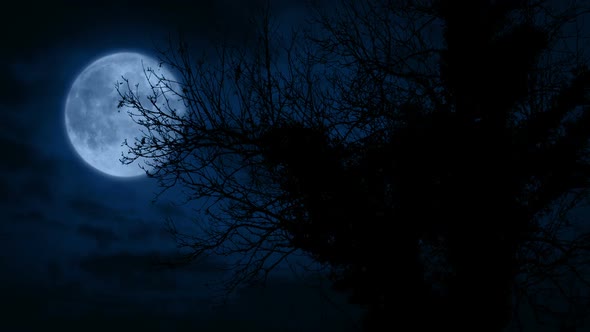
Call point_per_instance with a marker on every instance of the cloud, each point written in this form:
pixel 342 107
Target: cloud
pixel 35 219
pixel 104 237
pixel 25 173
pixel 204 19
pixel 76 305
pixel 128 272
pixel 96 208
pixel 148 231
pixel 143 271
pixel 170 210
pixel 18 154
pixel 123 225
pixel 78 302
pixel 92 209
pixel 12 90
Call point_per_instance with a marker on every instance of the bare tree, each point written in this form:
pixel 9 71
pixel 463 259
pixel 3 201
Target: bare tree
pixel 443 140
pixel 215 146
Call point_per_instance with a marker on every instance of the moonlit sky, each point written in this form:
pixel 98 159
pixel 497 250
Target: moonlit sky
pixel 77 246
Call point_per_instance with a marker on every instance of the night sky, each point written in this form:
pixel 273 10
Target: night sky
pixel 79 247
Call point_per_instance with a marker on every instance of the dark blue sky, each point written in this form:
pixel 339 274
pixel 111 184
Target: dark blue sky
pixel 78 246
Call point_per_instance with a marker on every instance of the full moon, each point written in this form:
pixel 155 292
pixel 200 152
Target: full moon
pixel 95 126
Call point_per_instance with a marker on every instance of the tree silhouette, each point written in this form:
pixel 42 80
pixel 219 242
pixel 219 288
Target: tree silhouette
pixel 428 152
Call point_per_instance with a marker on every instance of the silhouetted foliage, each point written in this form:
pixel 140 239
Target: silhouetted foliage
pixel 428 152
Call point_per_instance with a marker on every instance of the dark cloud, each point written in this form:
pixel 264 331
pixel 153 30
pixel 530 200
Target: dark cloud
pixel 25 173
pixel 92 28
pixel 143 271
pixel 92 209
pixel 12 90
pixel 126 291
pixel 144 232
pixel 74 305
pixel 36 218
pixel 104 237
pixel 19 155
pixel 169 209
pixel 96 208
pixel 55 271
pixel 118 223
pixel 129 271
pixel 50 22
pixel 109 264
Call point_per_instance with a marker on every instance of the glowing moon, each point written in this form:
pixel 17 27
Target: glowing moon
pixel 94 125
